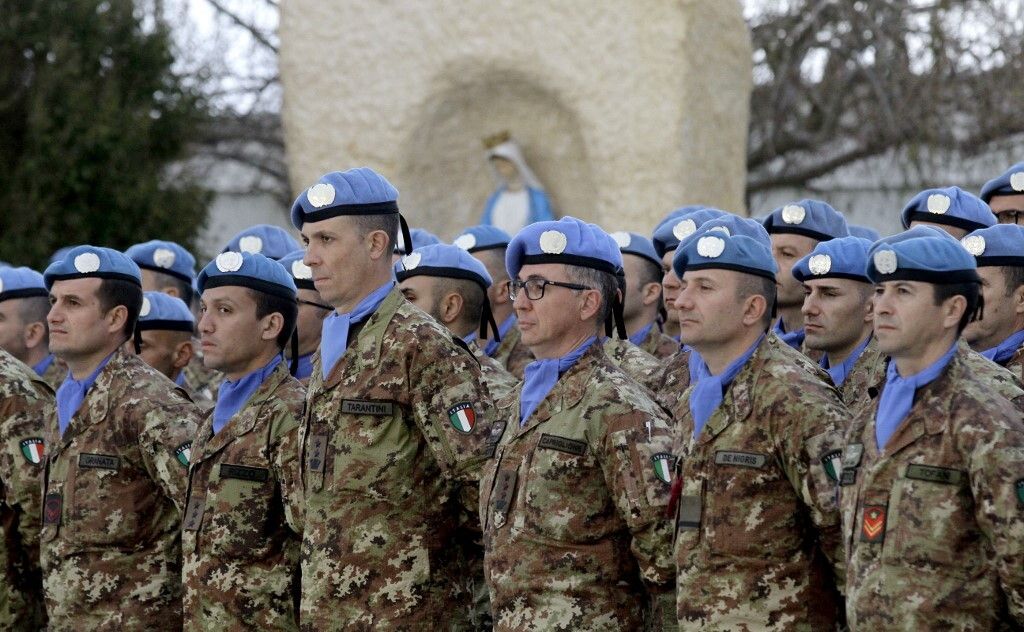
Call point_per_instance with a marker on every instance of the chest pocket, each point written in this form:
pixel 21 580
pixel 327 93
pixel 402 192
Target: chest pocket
pixel 376 452
pixel 112 501
pixel 933 526
pixel 565 497
pixel 751 507
pixel 243 507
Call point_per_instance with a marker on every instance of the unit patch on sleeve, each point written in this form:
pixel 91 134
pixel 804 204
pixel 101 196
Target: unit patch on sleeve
pixel 33 449
pixel 663 466
pixel 184 453
pixel 463 417
pixel 873 528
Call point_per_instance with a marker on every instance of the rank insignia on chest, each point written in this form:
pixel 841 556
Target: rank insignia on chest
pixel 184 453
pixel 33 449
pixel 833 463
pixel 873 528
pixel 463 417
pixel 663 465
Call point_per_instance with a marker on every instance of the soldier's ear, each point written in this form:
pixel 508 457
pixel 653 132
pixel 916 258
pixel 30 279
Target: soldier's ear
pixel 379 245
pixel 651 293
pixel 754 308
pixel 271 326
pixel 1018 300
pixel 451 307
pixel 34 334
pixel 116 319
pixel 182 354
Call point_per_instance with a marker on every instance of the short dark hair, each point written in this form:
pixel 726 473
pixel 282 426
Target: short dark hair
pixel 650 272
pixel 969 290
pixel 34 309
pixel 755 285
pixel 388 223
pixel 494 260
pixel 1014 276
pixel 605 283
pixel 114 292
pixel 184 287
pixel 267 304
pixel 473 297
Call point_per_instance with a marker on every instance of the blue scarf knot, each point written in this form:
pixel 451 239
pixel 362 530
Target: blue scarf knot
pixel 540 376
pixel 72 392
pixel 1001 353
pixel 708 389
pixel 233 394
pixel 840 372
pixel 898 396
pixel 334 339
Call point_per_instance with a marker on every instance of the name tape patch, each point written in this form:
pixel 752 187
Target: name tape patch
pixel 743 459
pixel 367 407
pixel 554 442
pixel 99 461
pixel 934 474
pixel 244 472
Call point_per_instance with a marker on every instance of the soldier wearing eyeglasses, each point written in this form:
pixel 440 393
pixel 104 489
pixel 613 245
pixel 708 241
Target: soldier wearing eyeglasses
pixel 1005 195
pixel 573 501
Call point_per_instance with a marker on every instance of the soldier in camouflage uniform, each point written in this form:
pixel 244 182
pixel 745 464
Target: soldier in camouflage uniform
pixel 165 329
pixel 931 486
pixel 639 365
pixel 24 303
pixel 757 543
pixel 115 472
pixel 310 321
pixel 26 402
pixel 999 336
pixel 487 244
pixel 393 430
pixel 837 310
pixel 240 540
pixel 573 501
pixel 641 270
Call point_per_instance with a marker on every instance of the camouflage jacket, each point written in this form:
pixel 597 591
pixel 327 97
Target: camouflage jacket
pixel 659 345
pixel 757 521
pixel 391 447
pixel 1015 364
pixel 867 372
pixel 675 380
pixel 513 354
pixel 112 502
pixel 202 383
pixel 26 402
pixel 55 374
pixel 642 367
pixel 934 526
pixel 498 380
pixel 240 556
pixel 573 505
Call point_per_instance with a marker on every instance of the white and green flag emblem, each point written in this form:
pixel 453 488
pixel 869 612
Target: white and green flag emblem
pixel 663 465
pixel 33 449
pixel 833 464
pixel 184 453
pixel 463 417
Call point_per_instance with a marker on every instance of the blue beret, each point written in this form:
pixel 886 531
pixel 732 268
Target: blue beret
pixel 1010 183
pixel 442 260
pixel 636 244
pixel 951 206
pixel 302 275
pixel 921 254
pixel 271 241
pixel 165 313
pixel 569 241
pixel 810 218
pixel 420 237
pixel 679 224
pixel 713 249
pixel 482 237
pixel 21 283
pixel 247 269
pixel 999 245
pixel 164 256
pixel 359 191
pixel 735 225
pixel 59 254
pixel 870 234
pixel 93 261
pixel 842 258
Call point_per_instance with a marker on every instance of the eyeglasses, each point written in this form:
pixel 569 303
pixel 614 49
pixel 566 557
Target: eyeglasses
pixel 1009 217
pixel 535 288
pixel 315 304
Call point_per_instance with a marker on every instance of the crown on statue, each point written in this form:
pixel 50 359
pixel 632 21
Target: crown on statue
pixel 492 141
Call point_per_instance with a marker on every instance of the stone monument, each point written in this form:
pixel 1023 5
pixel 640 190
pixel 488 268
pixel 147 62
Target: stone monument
pixel 624 110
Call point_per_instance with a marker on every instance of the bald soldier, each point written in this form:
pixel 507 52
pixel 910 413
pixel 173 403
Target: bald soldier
pixel 488 244
pixel 1005 195
pixel 26 403
pixel 931 487
pixel 24 303
pixel 757 542
pixel 837 315
pixel 395 423
pixel 795 230
pixel 116 455
pixel 240 535
pixel 573 502
pixel 451 285
pixel 999 334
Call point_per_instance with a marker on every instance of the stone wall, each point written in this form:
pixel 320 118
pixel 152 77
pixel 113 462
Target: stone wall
pixel 624 110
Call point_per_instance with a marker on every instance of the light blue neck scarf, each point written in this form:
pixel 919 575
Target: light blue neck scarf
pixel 641 335
pixel 898 396
pixel 540 376
pixel 44 364
pixel 334 340
pixel 842 371
pixel 794 339
pixel 72 392
pixel 1002 352
pixel 233 394
pixel 709 390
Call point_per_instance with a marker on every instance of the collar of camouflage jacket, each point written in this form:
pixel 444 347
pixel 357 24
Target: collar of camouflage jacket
pixel 208 444
pixel 567 392
pixel 366 343
pixel 738 402
pixel 96 405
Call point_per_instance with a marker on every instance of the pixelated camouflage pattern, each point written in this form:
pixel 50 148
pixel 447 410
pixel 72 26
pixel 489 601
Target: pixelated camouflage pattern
pixel 867 372
pixel 240 565
pixel 55 374
pixel 757 543
pixel 675 380
pixel 1015 364
pixel 951 552
pixel 386 474
pixel 26 402
pixel 644 368
pixel 512 353
pixel 580 536
pixel 202 383
pixel 659 344
pixel 498 380
pixel 113 561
